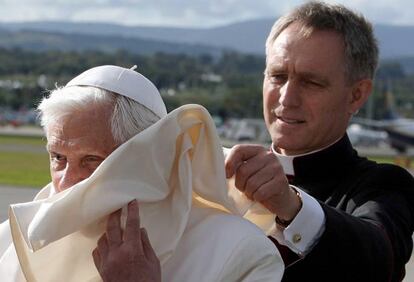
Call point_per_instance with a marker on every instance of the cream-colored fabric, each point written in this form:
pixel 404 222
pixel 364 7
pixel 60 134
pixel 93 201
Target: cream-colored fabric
pixel 175 169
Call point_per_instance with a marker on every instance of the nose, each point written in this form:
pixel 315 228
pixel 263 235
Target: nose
pixel 72 175
pixel 289 94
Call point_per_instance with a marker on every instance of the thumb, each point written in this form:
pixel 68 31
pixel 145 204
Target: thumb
pixel 238 154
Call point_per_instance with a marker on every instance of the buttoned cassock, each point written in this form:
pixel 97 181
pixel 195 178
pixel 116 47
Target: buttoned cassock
pixel 369 217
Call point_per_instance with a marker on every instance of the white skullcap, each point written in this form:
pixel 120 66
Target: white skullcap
pixel 126 82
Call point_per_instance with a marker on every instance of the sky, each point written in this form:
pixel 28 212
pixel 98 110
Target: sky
pixel 186 13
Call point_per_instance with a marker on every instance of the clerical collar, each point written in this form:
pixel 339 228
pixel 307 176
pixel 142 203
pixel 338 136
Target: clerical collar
pixel 287 161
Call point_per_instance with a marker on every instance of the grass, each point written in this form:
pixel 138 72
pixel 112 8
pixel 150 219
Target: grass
pixel 24 169
pixel 388 160
pixel 407 163
pixel 22 140
pixel 30 169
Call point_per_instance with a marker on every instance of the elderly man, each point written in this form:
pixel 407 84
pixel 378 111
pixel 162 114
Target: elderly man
pixel 110 142
pixel 340 217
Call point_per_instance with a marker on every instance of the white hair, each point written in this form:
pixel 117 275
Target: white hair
pixel 128 117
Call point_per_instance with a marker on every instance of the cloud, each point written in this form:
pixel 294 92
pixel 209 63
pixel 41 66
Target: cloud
pixel 400 12
pixel 193 13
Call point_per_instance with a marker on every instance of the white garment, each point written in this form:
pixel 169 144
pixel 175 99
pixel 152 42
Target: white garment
pixel 175 169
pixel 309 223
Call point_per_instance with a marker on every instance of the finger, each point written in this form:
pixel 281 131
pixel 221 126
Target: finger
pixel 270 197
pixel 113 228
pixel 266 192
pixel 255 181
pixel 238 154
pixel 96 258
pixel 146 245
pixel 262 161
pixel 103 247
pixel 132 233
pixel 245 171
pixel 263 167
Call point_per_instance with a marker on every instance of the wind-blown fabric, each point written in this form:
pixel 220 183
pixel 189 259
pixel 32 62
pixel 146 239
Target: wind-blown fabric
pixel 175 169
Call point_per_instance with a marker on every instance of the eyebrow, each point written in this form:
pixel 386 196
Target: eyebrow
pixel 52 146
pixel 310 75
pixel 49 147
pixel 274 67
pixel 100 154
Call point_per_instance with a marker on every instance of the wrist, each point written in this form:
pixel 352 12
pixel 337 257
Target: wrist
pixel 296 204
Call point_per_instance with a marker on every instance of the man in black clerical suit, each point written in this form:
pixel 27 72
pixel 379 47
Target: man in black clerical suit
pixel 339 217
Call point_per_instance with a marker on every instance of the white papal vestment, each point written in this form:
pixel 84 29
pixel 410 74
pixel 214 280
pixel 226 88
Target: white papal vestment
pixel 175 169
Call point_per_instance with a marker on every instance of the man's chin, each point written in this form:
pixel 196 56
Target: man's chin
pixel 287 145
pixel 283 137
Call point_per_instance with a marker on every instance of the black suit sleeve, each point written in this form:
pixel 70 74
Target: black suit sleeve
pixel 367 235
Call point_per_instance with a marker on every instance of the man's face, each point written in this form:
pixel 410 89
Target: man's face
pixel 77 144
pixel 307 103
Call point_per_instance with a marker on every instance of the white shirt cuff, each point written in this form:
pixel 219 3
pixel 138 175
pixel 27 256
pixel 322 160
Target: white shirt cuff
pixel 305 229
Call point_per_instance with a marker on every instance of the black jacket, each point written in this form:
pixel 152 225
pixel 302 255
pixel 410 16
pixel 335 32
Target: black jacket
pixel 369 211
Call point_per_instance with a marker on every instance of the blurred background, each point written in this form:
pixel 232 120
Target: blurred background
pixel 205 52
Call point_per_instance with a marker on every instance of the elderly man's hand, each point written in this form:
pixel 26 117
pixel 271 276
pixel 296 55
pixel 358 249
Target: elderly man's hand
pixel 260 176
pixel 126 256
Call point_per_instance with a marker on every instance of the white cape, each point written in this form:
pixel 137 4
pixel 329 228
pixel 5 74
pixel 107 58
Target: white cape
pixel 175 169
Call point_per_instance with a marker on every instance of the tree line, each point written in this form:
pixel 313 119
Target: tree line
pixel 228 86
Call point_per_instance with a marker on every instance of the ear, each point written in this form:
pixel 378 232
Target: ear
pixel 360 93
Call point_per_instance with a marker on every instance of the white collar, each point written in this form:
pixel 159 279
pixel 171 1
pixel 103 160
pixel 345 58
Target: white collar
pixel 287 160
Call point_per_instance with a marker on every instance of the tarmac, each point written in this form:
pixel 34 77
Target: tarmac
pixel 10 195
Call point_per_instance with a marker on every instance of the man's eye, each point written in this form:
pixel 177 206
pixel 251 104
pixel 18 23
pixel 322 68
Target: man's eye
pixel 278 78
pixel 93 159
pixel 313 83
pixel 57 157
pixel 57 161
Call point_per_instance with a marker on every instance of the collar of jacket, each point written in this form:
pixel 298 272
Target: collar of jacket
pixel 329 162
